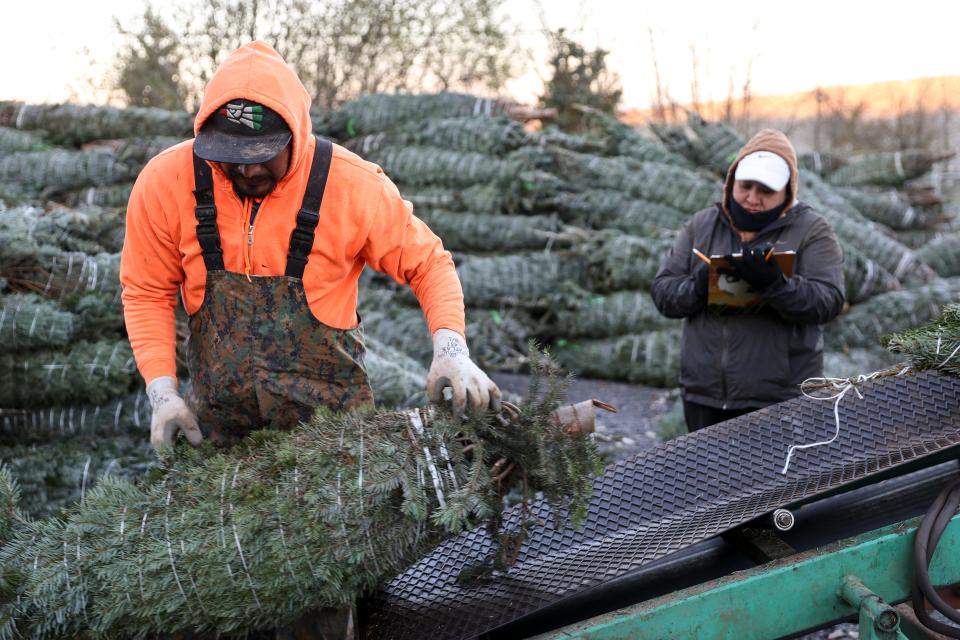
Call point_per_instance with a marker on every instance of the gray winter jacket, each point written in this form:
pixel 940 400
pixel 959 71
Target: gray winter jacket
pixel 753 359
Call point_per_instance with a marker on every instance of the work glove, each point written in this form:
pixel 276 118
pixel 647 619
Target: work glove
pixel 452 367
pixel 701 280
pixel 754 269
pixel 170 414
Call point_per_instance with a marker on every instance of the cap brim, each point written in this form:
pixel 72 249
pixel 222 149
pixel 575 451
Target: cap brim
pixel 768 181
pixel 217 146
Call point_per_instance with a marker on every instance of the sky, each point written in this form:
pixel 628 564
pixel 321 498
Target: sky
pixel 51 48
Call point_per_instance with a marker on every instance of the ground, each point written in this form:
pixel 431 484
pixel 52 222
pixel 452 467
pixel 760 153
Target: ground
pixel 622 434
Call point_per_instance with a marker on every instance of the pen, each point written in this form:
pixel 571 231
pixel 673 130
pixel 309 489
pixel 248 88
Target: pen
pixel 701 255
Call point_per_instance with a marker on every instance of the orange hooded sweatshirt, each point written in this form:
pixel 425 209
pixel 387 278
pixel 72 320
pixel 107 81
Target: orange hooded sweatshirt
pixel 363 220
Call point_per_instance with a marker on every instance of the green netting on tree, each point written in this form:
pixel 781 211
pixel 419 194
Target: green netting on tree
pixel 31 322
pixel 490 280
pixel 935 345
pixel 428 165
pixel 221 542
pixel 27 233
pixel 673 185
pixel 396 378
pixel 532 191
pixel 619 261
pixel 112 196
pixel 390 319
pixel 676 186
pixel 718 143
pixel 891 168
pixel 56 474
pixel 70 124
pixel 862 277
pixel 608 209
pixel 63 169
pixel 490 232
pixel 578 143
pixel 116 417
pixel 498 338
pixel 603 316
pixel 867 322
pixel 491 136
pixel 864 234
pixel 382 112
pixel 917 238
pixel 942 254
pixel 623 140
pixel 66 275
pixel 136 152
pixel 13 140
pixel 14 194
pixel 679 139
pixel 889 208
pixel 854 362
pixel 85 373
pixel 651 358
pixel 823 164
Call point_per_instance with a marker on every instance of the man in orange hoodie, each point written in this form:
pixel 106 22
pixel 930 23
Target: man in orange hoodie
pixel 263 229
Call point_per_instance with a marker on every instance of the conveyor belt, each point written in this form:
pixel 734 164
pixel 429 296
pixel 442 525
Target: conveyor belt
pixel 672 496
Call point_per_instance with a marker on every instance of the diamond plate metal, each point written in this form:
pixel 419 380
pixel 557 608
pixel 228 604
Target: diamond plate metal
pixel 669 497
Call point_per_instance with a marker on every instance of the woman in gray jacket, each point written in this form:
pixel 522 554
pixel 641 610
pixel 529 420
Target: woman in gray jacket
pixel 733 362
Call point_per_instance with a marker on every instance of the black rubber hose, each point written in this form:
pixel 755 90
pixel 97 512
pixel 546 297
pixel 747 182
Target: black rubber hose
pixel 928 535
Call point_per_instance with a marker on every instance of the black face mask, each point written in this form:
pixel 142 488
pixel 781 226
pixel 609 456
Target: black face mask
pixel 746 221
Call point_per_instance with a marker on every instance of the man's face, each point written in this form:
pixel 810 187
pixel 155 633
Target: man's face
pixel 257 180
pixel 756 196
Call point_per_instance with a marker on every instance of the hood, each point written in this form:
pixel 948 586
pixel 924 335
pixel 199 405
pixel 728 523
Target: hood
pixel 773 141
pixel 257 72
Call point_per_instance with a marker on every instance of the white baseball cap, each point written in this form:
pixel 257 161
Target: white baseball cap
pixel 765 167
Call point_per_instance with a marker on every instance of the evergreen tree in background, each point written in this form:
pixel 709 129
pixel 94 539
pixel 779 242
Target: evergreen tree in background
pixel 580 77
pixel 149 64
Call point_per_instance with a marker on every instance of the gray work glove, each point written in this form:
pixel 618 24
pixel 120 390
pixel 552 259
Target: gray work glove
pixel 452 367
pixel 170 414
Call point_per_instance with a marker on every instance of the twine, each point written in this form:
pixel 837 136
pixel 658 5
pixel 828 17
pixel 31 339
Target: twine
pixel 841 386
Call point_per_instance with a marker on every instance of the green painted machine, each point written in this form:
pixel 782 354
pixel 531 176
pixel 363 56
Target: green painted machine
pixel 738 531
pixel 859 576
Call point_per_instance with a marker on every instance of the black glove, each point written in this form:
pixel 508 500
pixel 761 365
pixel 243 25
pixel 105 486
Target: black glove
pixel 701 280
pixel 752 267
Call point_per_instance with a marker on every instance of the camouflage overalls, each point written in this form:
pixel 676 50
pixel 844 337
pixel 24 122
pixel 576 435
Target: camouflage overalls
pixel 259 359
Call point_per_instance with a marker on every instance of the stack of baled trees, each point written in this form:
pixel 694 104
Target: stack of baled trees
pixel 555 236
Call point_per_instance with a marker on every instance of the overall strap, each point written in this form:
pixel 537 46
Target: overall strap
pixel 206 211
pixel 301 240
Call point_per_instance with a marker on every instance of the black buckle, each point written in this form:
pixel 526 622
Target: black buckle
pixel 301 243
pixel 307 218
pixel 206 213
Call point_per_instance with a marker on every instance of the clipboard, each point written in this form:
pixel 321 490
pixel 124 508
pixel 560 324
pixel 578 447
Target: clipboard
pixel 728 290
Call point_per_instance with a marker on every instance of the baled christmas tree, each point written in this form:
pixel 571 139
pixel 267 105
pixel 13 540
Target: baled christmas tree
pixel 221 541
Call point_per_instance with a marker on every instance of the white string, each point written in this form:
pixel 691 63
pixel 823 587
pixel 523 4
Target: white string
pixel 841 386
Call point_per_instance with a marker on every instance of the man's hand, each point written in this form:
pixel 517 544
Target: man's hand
pixel 452 367
pixel 754 267
pixel 170 414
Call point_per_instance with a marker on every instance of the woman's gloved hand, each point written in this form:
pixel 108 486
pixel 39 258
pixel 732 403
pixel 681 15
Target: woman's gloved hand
pixel 755 268
pixel 452 367
pixel 170 414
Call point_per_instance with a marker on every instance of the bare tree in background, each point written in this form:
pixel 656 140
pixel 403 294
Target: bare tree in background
pixel 342 49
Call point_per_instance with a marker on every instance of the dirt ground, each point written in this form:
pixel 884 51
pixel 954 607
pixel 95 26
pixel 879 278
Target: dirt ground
pixel 622 434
